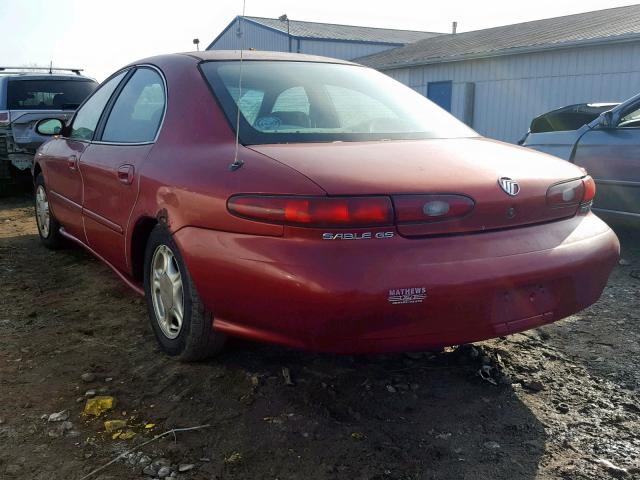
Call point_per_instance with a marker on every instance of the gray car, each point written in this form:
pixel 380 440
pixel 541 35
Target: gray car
pixel 27 96
pixel 605 140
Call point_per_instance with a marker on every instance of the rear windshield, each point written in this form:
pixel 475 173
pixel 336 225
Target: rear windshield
pixel 568 118
pixel 48 94
pixel 293 102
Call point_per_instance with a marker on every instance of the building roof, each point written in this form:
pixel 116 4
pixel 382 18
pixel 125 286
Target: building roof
pixel 613 24
pixel 330 31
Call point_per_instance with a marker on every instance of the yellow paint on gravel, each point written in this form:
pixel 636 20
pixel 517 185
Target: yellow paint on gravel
pixel 124 435
pixel 96 406
pixel 111 426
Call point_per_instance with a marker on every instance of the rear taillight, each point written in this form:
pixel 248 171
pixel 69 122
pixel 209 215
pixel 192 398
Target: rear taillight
pixel 314 211
pixel 572 193
pixel 431 208
pixel 5 118
pixel 588 195
pixel 589 189
pixel 565 194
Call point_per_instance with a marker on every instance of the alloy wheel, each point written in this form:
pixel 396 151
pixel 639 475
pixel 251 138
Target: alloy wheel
pixel 42 211
pixel 167 292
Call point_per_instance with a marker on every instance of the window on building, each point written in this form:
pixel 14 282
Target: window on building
pixel 440 94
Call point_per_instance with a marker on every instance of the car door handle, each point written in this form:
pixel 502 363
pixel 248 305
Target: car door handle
pixel 72 162
pixel 125 174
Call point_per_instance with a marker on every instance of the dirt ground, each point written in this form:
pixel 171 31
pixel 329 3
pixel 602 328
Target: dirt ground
pixel 565 402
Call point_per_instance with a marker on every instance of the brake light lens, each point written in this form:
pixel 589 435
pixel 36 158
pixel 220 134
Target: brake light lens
pixel 314 211
pixel 431 208
pixel 5 118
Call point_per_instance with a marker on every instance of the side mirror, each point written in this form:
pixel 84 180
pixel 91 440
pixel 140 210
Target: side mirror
pixel 605 120
pixel 49 126
pixel 524 138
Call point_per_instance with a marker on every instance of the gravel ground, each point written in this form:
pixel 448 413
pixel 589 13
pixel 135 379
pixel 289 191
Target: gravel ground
pixel 557 402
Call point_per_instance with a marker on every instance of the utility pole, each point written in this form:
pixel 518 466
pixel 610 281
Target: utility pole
pixel 284 18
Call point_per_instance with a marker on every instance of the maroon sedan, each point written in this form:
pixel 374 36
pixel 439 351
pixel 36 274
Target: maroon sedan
pixel 314 203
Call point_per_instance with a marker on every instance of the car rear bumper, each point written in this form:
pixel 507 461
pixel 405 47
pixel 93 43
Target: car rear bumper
pixel 367 296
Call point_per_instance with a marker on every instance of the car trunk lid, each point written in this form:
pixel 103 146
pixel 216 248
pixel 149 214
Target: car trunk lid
pixel 470 167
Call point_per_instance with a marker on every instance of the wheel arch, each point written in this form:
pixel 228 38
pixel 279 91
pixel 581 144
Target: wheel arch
pixel 37 170
pixel 139 237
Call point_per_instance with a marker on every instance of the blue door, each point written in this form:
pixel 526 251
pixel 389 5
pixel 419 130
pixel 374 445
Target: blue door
pixel 440 94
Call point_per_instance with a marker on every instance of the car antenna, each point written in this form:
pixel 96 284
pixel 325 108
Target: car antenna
pixel 237 163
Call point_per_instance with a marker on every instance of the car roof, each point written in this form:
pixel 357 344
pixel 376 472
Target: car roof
pixel 44 76
pixel 209 55
pixel 234 55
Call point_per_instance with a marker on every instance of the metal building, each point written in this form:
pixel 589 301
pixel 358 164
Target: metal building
pixel 330 40
pixel 498 79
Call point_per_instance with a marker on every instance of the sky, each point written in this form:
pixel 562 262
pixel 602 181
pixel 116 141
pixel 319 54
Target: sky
pixel 102 36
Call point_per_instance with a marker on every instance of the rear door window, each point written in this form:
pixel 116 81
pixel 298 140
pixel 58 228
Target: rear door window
pixel 631 118
pixel 48 94
pixel 138 110
pixel 86 119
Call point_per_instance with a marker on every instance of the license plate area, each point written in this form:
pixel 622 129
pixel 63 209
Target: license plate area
pixel 523 302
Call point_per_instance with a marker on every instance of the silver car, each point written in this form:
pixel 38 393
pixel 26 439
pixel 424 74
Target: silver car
pixel 27 96
pixel 605 140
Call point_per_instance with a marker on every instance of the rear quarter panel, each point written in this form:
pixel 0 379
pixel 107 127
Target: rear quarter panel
pixel 186 179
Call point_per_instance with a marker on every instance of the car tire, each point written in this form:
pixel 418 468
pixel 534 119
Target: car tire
pixel 48 226
pixel 181 323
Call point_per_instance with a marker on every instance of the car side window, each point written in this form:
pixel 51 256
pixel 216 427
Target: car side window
pixel 87 117
pixel 630 119
pixel 137 112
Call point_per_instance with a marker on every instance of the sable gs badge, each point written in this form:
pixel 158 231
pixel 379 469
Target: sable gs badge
pixel 398 296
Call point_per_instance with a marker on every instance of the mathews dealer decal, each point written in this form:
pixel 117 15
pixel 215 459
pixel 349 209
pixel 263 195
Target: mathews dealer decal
pixel 398 296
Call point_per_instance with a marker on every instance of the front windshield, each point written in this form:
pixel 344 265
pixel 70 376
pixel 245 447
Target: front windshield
pixel 295 102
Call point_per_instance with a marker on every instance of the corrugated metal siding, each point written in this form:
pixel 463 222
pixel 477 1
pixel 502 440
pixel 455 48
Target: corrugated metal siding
pixel 255 36
pixel 262 38
pixel 342 50
pixel 511 90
